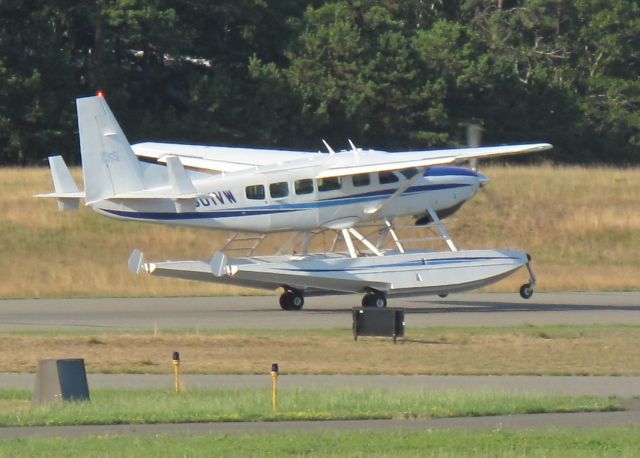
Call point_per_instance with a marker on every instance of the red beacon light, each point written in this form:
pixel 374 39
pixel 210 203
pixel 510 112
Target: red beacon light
pixel 100 93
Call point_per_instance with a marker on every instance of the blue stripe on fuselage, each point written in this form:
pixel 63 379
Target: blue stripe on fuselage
pixel 280 208
pixel 449 171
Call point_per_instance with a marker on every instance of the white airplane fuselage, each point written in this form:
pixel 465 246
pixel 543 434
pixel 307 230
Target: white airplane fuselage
pixel 265 202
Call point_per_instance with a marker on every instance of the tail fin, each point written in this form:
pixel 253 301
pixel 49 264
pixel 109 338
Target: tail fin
pixel 67 192
pixel 109 165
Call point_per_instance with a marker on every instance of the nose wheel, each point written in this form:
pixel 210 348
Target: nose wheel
pixel 526 290
pixel 291 299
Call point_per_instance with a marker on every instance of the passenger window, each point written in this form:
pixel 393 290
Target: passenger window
pixel 329 184
pixel 362 179
pixel 280 189
pixel 304 186
pixel 387 177
pixel 409 173
pixel 255 192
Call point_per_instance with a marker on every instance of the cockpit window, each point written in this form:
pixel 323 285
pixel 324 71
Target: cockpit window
pixel 362 179
pixel 278 190
pixel 409 173
pixel 255 192
pixel 387 177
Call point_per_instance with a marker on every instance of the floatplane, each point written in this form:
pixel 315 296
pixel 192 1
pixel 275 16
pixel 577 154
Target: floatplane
pixel 264 191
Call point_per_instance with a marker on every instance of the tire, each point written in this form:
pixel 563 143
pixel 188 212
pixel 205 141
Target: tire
pixel 443 295
pixel 297 301
pixel 526 291
pixel 374 300
pixel 379 301
pixel 291 300
pixel 284 302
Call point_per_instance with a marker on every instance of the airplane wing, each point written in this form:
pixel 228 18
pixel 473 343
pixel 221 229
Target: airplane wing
pixel 379 161
pixel 216 159
pixel 221 159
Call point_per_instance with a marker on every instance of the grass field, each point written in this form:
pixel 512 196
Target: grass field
pixel 535 350
pixel 581 225
pixel 155 406
pixel 563 443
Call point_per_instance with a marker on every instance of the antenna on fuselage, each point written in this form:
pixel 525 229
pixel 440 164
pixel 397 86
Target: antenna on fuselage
pixel 353 147
pixel 331 151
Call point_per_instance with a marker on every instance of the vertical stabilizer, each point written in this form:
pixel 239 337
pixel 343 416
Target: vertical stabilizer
pixel 109 165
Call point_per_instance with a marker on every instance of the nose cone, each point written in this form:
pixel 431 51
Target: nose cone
pixel 482 179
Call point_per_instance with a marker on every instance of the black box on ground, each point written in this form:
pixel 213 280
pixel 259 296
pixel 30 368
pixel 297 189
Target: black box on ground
pixel 60 380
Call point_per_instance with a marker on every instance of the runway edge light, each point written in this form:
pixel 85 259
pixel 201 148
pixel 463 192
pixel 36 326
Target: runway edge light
pixel 274 386
pixel 176 370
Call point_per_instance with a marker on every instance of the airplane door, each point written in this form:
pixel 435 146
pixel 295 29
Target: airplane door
pixel 292 205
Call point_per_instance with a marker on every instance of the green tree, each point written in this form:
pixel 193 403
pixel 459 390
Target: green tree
pixel 36 82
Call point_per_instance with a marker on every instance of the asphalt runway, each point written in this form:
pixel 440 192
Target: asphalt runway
pixel 551 421
pixel 490 309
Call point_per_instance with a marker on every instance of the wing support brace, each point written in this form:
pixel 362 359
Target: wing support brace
pixel 372 211
pixel 443 229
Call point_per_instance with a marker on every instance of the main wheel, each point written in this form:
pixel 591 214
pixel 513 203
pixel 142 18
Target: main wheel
pixel 291 300
pixel 526 291
pixel 284 301
pixel 377 300
pixel 297 300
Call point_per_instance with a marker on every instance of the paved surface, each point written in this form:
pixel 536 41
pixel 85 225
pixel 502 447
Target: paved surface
pixel 630 417
pixel 497 309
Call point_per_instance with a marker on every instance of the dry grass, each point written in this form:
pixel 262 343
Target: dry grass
pixel 582 226
pixel 585 351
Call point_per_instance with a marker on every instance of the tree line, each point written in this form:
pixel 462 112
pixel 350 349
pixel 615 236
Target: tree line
pixel 388 74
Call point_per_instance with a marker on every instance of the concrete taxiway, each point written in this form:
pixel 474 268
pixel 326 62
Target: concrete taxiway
pixel 490 309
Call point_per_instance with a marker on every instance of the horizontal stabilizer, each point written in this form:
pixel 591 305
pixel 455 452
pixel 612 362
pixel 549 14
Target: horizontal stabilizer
pixel 67 192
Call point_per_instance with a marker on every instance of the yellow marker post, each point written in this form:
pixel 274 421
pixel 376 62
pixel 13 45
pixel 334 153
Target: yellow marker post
pixel 274 386
pixel 176 369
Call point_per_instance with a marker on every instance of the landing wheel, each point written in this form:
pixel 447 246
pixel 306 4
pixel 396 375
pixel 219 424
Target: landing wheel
pixel 443 295
pixel 526 291
pixel 377 300
pixel 291 300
